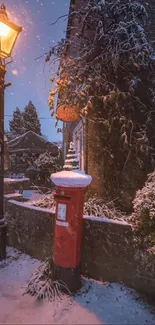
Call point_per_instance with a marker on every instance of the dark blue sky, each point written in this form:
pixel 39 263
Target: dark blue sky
pixel 30 77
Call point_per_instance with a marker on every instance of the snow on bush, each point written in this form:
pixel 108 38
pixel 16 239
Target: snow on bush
pixel 108 72
pixel 43 283
pixel 99 208
pixel 144 211
pixel 92 207
pixel 47 161
pixel 46 201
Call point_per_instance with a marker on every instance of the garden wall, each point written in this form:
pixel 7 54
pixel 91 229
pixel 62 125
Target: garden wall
pixel 29 229
pixel 10 185
pixel 108 254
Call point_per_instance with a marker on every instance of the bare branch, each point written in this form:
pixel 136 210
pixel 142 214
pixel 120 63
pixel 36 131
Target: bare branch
pixel 66 15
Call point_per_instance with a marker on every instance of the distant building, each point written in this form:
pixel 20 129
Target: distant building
pixel 7 161
pixel 59 144
pixel 45 137
pixel 25 149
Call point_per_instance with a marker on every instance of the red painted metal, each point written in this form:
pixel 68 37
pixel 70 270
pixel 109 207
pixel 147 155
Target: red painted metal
pixel 68 227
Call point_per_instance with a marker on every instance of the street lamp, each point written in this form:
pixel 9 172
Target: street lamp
pixel 8 36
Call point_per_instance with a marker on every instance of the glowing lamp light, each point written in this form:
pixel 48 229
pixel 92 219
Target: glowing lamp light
pixel 4 30
pixel 8 34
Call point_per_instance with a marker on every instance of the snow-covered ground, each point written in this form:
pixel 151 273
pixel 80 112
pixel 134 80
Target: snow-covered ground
pixel 96 303
pixel 31 194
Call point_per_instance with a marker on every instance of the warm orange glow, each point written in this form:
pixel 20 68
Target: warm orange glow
pixel 4 29
pixel 8 34
pixel 67 113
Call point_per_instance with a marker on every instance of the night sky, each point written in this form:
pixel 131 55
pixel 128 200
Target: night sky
pixel 30 77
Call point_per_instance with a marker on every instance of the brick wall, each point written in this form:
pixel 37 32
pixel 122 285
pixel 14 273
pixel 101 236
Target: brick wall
pixel 94 166
pixel 108 250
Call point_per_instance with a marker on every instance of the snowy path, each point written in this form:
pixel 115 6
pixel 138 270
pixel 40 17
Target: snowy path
pixel 97 303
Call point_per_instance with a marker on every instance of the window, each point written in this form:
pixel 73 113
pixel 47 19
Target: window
pixel 78 139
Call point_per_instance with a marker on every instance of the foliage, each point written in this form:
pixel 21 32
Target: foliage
pixel 10 135
pixel 32 173
pixel 46 201
pixel 47 164
pixel 16 124
pixel 23 122
pixel 31 120
pixel 108 70
pixel 144 211
pixel 46 161
pixel 99 208
pixel 93 206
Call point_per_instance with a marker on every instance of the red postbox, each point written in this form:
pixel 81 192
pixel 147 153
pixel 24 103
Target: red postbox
pixel 68 226
pixel 69 198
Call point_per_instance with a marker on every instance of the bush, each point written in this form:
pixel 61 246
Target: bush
pixel 144 212
pixel 98 207
pixel 47 164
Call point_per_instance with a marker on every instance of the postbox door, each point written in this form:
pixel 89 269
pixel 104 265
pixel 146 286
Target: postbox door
pixel 68 228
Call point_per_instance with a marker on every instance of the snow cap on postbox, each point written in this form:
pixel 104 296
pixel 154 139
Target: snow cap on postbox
pixel 71 175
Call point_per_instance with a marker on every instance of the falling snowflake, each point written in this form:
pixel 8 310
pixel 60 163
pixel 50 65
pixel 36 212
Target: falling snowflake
pixel 15 72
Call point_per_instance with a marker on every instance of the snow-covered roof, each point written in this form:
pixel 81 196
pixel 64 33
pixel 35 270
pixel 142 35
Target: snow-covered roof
pixel 30 141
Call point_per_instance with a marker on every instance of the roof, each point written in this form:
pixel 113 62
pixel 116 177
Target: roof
pixel 31 142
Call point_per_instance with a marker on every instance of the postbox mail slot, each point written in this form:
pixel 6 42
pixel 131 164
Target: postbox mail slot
pixel 60 197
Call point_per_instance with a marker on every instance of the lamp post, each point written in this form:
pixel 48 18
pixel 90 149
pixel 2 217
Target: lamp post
pixel 8 36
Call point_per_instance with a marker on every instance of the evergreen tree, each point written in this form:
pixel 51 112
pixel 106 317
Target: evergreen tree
pixel 31 120
pixel 16 124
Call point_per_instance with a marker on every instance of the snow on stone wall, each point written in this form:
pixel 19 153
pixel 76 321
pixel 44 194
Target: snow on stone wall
pixel 108 251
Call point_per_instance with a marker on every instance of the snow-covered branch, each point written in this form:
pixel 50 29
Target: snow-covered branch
pixel 107 69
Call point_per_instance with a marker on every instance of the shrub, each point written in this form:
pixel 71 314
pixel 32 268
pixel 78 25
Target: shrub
pixel 144 212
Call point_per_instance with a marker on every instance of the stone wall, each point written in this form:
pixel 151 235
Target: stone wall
pixel 29 229
pixel 94 161
pixel 109 254
pixel 108 251
pixel 10 185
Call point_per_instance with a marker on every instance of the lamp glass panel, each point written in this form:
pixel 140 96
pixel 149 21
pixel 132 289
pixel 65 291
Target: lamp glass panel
pixel 7 39
pixel 4 29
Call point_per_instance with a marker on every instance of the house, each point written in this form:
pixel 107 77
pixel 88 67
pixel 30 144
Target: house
pixel 26 148
pixel 7 162
pixel 84 131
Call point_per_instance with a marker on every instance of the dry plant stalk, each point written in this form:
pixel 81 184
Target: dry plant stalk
pixel 43 283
